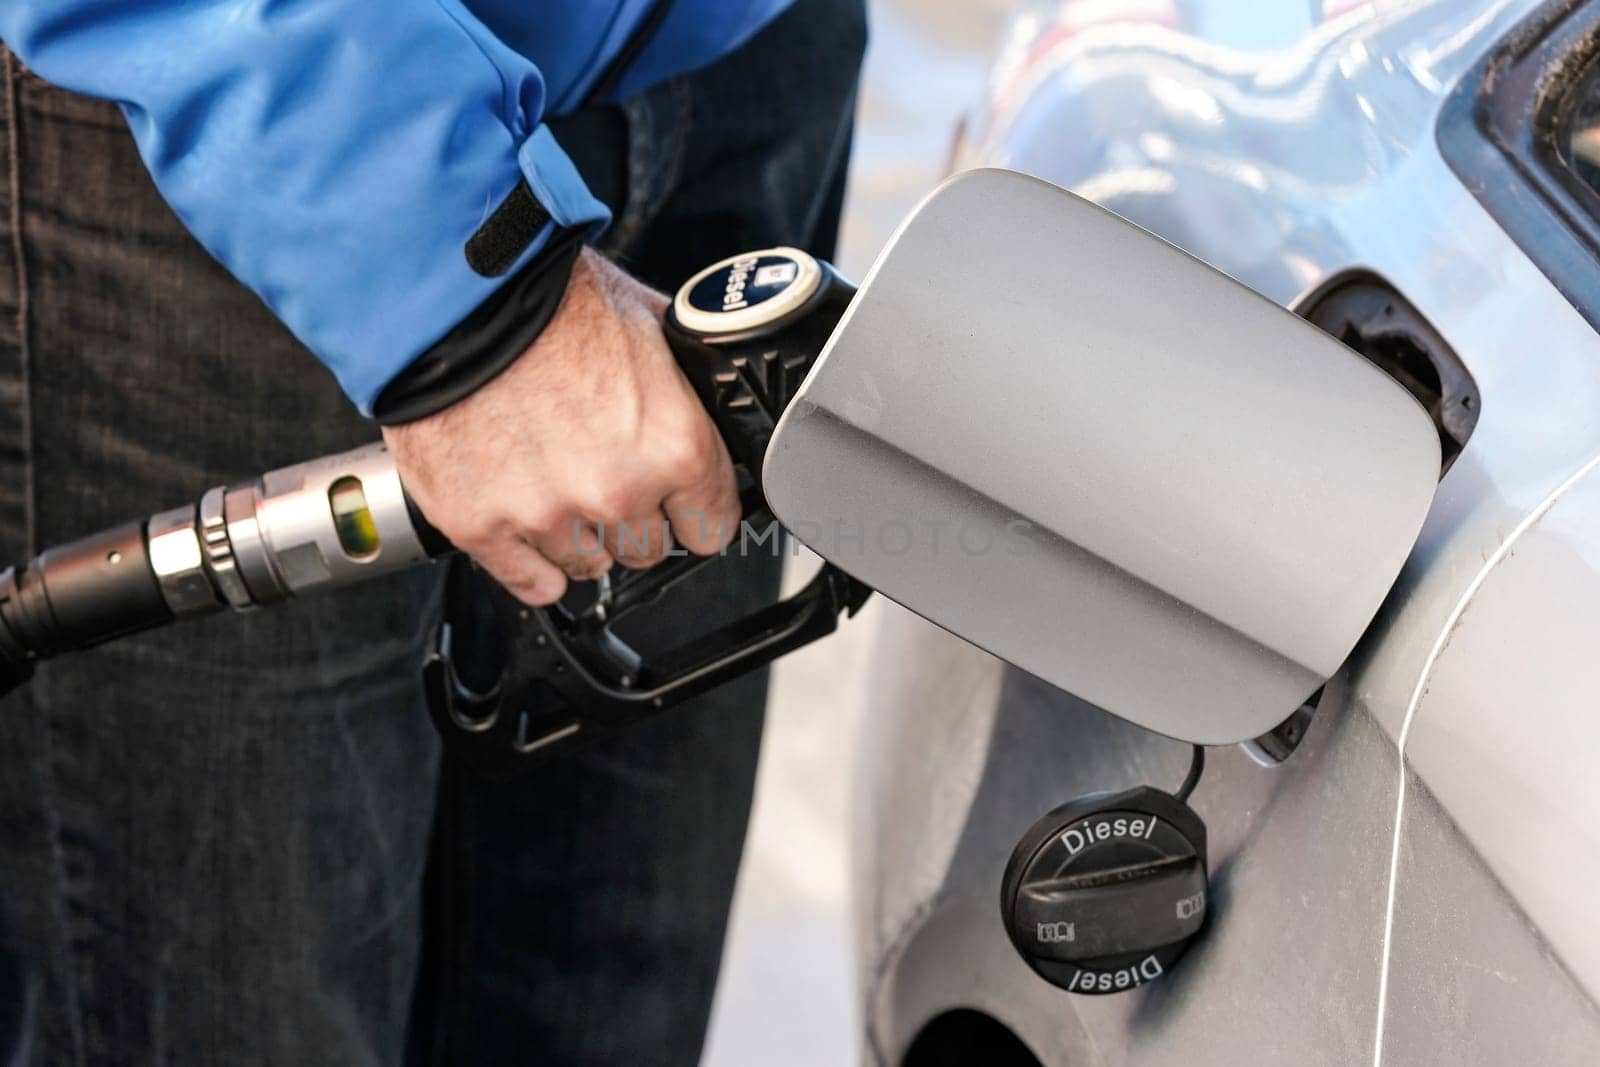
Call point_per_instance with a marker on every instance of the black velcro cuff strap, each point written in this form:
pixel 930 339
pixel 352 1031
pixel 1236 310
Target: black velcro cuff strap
pixel 507 232
pixel 487 341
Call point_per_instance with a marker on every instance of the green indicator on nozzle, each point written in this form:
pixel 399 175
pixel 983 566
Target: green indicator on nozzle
pixel 358 533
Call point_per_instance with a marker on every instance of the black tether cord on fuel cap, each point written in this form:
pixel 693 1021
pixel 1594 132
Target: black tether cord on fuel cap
pixel 1197 766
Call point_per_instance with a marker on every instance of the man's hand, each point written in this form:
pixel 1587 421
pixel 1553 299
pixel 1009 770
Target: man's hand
pixel 592 430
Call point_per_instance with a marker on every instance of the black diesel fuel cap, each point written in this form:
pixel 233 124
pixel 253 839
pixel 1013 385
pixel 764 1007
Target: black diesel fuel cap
pixel 1104 893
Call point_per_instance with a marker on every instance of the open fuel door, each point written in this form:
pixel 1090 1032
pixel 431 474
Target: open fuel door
pixel 1074 445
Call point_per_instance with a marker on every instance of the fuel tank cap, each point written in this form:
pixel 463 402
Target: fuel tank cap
pixel 1104 893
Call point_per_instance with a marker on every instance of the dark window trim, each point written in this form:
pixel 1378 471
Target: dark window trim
pixel 1512 165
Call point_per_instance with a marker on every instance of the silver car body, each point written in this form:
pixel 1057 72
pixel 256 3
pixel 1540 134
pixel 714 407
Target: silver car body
pixel 1417 883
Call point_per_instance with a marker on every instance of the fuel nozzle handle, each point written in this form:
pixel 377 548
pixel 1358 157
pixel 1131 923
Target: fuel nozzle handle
pixel 744 330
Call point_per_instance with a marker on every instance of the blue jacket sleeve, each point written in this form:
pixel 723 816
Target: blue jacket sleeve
pixel 335 155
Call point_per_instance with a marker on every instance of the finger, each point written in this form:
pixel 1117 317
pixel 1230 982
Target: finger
pixel 522 569
pixel 578 548
pixel 640 543
pixel 705 514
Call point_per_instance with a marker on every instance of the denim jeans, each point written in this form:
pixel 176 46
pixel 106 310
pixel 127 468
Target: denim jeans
pixel 236 841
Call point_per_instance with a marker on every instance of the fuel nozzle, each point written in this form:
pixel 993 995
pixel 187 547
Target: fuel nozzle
pixel 321 524
pixel 745 332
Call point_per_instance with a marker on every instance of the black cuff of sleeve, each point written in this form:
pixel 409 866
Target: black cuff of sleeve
pixel 487 341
